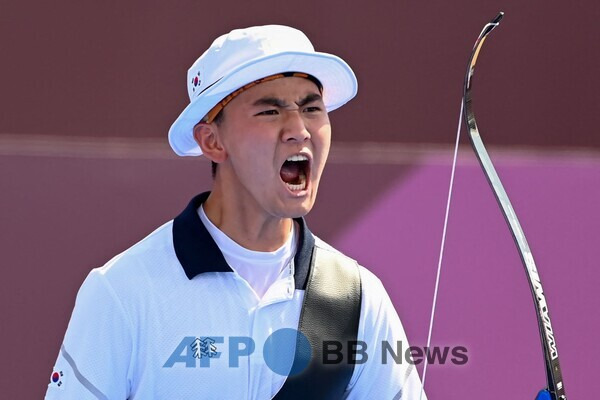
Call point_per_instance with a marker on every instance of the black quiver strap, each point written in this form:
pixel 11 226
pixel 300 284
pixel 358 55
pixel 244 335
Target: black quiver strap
pixel 330 312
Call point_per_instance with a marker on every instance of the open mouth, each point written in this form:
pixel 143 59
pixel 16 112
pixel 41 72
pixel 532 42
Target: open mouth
pixel 295 171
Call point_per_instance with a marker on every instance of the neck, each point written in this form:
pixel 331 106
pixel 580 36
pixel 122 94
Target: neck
pixel 243 225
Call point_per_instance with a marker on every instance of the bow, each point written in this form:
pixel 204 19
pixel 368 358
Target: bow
pixel 555 389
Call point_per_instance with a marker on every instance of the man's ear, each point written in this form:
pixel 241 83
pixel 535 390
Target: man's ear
pixel 207 137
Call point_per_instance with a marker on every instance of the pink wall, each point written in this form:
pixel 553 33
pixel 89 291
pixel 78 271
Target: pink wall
pixel 63 216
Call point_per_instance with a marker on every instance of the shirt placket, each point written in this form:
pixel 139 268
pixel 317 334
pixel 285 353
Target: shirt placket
pixel 265 321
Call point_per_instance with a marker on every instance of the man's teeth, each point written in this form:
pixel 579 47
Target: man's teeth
pixel 300 186
pixel 297 157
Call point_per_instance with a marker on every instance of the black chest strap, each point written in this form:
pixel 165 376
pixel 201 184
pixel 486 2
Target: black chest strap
pixel 330 313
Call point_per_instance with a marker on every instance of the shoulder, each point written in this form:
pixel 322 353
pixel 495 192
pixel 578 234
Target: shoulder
pixel 322 245
pixel 369 280
pixel 154 249
pixel 133 272
pixel 371 285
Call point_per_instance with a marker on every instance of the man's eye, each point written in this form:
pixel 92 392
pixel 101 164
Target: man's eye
pixel 312 109
pixel 268 112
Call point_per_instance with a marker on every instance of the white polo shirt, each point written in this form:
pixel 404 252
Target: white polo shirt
pixel 169 319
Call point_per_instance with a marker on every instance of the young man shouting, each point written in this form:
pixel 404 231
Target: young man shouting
pixel 235 298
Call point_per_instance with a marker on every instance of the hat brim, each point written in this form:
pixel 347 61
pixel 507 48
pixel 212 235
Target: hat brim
pixel 338 80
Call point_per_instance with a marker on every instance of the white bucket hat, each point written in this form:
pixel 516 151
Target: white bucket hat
pixel 246 55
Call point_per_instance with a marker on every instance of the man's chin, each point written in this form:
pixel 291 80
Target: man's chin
pixel 299 210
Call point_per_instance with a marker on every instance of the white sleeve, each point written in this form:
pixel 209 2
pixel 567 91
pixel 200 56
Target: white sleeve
pixel 94 358
pixel 378 378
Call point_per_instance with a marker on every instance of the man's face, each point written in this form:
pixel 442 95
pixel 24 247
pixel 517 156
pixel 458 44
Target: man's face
pixel 276 136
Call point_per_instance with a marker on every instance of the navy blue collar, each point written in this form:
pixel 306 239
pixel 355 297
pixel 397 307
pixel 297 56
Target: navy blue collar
pixel 197 252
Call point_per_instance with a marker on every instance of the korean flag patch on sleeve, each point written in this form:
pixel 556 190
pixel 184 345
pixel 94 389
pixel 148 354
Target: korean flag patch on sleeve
pixel 57 379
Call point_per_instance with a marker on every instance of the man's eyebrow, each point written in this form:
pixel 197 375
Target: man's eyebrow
pixel 270 101
pixel 309 99
pixel 274 101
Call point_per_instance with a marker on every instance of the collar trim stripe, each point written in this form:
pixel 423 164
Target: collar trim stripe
pixel 198 253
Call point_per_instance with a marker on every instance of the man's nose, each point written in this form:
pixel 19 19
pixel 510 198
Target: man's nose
pixel 294 127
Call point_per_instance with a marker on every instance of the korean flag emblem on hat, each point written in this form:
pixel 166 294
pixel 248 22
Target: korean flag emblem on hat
pixel 57 379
